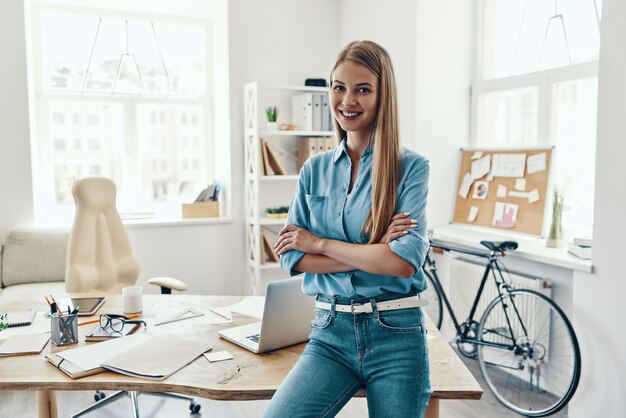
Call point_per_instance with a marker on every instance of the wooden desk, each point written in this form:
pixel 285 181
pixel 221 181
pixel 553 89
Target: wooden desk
pixel 248 377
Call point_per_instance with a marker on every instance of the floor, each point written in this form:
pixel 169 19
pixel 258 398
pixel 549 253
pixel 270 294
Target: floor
pixel 22 405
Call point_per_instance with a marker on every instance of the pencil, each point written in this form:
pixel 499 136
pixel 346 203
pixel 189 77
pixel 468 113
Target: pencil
pixel 219 314
pixel 93 321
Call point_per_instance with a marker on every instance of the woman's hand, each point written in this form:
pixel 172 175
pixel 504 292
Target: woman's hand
pixel 398 227
pixel 296 238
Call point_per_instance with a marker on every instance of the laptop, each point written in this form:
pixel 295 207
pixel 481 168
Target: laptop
pixel 287 317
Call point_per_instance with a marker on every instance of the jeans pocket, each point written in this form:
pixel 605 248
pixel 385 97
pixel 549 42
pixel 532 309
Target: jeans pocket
pixel 322 320
pixel 401 320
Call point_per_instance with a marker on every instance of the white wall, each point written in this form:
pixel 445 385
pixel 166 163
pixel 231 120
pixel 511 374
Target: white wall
pixel 599 307
pixel 444 68
pixel 391 25
pixel 16 198
pixel 282 44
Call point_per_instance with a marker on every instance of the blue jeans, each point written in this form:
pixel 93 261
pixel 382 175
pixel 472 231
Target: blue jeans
pixel 386 352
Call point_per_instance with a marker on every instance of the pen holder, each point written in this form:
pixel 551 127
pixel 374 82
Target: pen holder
pixel 64 329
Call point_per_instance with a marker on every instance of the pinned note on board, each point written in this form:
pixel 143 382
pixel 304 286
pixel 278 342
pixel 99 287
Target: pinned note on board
pixel 473 213
pixel 465 185
pixel 533 196
pixel 536 163
pixel 520 184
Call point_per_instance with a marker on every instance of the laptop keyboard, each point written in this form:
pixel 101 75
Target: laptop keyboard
pixel 254 338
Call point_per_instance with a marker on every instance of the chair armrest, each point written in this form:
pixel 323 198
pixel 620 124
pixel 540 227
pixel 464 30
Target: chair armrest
pixel 168 284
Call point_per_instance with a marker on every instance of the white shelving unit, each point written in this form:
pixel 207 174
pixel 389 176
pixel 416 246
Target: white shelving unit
pixel 265 191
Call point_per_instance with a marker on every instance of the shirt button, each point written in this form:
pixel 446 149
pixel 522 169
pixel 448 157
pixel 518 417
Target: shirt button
pixel 348 211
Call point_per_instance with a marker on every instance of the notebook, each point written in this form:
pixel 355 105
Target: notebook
pixel 20 318
pixel 286 321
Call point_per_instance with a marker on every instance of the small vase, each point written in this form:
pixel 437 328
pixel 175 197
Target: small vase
pixel 555 238
pixel 272 126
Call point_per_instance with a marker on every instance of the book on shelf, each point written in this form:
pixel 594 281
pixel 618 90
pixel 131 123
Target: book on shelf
pixel 585 242
pixel 308 147
pixel 580 251
pixel 267 250
pixel 265 165
pixel 98 333
pixel 274 165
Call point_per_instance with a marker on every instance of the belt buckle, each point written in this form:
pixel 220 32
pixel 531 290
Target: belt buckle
pixel 352 305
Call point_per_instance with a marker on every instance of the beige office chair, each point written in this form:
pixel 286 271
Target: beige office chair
pixel 100 260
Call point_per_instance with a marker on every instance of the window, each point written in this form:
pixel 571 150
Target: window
pixel 117 92
pixel 537 86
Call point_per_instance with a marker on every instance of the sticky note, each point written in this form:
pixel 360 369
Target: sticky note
pixel 520 184
pixel 501 192
pixel 218 356
pixel 533 196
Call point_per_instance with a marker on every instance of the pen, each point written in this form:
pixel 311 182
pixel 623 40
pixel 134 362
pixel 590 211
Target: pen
pixel 55 303
pixel 93 321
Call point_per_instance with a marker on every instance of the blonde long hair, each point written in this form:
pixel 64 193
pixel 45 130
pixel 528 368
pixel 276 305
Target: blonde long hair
pixel 385 137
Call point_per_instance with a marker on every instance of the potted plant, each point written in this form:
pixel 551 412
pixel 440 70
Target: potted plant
pixel 278 212
pixel 272 117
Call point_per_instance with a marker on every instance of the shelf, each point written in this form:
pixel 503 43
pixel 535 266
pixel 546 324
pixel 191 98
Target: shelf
pixel 290 177
pixel 264 220
pixel 267 266
pixel 297 88
pixel 297 133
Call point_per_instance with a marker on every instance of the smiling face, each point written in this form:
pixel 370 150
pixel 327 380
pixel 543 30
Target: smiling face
pixel 354 97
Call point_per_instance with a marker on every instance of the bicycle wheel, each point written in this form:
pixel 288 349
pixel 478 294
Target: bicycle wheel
pixel 533 365
pixel 434 309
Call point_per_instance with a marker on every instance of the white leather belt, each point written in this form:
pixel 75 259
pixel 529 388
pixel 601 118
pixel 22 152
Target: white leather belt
pixel 359 308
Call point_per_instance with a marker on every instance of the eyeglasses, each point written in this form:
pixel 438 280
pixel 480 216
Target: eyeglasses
pixel 117 322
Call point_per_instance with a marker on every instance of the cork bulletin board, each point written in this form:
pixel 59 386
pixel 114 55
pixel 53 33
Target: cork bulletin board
pixel 503 189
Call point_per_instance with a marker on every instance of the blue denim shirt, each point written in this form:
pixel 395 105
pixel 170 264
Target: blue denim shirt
pixel 323 206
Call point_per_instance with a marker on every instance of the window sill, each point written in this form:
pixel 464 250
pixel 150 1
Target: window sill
pixel 530 249
pixel 150 223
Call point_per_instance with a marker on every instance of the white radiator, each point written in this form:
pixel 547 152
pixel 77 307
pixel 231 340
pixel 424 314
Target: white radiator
pixel 464 282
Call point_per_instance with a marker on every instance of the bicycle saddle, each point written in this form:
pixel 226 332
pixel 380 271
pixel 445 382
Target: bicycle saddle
pixel 500 246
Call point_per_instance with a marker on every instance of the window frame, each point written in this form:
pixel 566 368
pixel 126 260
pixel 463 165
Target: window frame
pixel 43 184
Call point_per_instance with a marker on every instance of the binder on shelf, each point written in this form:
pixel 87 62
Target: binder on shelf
pixel 306 148
pixel 273 162
pixel 326 118
pixel 302 111
pixel 329 143
pixel 317 112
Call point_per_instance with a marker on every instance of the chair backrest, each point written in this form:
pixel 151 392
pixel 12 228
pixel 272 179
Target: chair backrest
pixel 99 256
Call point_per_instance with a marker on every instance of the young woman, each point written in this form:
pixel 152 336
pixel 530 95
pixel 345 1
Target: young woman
pixel 357 229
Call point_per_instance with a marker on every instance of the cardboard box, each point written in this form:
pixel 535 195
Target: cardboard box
pixel 208 209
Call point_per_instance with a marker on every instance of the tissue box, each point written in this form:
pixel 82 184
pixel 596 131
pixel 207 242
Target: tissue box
pixel 208 209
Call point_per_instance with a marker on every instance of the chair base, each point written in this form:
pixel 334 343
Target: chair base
pixel 133 395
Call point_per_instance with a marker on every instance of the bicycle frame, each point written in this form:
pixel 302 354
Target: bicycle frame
pixel 491 267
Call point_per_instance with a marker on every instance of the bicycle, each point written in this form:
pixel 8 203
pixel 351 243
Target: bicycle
pixel 526 347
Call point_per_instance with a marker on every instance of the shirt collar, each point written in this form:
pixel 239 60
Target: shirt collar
pixel 341 149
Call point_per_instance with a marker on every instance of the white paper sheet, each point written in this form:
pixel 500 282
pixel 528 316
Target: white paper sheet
pixel 520 185
pixel 505 215
pixel 501 192
pixel 473 213
pixel 465 185
pixel 533 196
pixel 481 167
pixel 523 195
pixel 536 163
pixel 508 165
pixel 250 306
pixel 92 356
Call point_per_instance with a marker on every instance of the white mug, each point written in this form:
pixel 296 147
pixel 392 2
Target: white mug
pixel 133 299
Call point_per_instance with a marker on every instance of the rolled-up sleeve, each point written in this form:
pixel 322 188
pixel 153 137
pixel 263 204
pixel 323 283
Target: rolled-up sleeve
pixel 298 216
pixel 414 192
